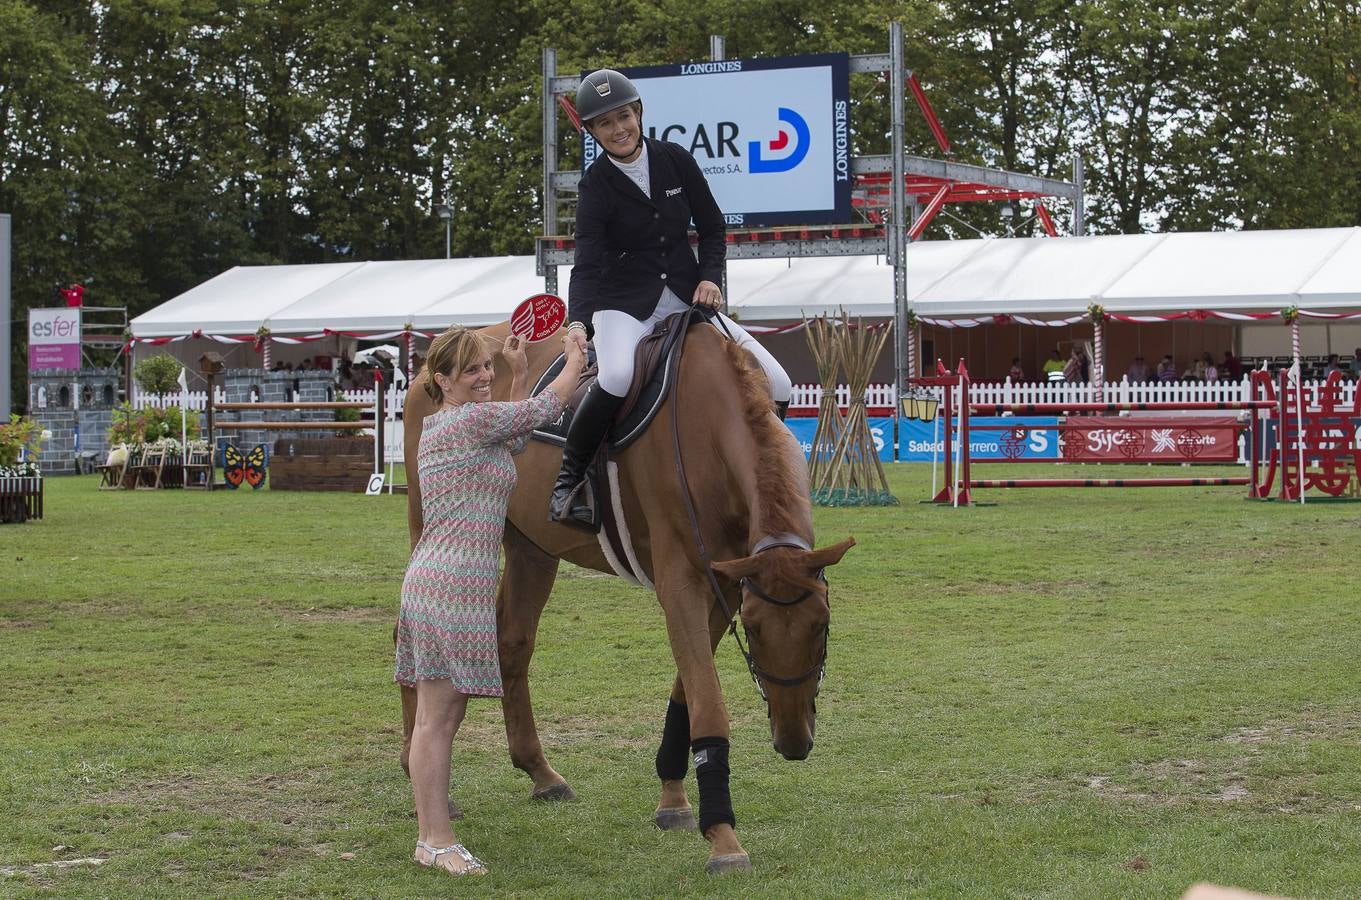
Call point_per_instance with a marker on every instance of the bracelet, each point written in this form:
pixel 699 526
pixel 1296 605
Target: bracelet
pixel 572 325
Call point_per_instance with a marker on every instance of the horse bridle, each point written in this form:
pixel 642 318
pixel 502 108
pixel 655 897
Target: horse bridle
pixel 758 674
pixel 768 542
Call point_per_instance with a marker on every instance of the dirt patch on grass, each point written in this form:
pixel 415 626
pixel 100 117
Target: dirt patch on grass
pixel 1310 726
pixel 265 798
pixel 1172 782
pixel 361 615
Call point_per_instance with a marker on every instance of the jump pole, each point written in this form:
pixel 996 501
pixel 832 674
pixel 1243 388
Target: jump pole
pixel 1108 482
pixel 1062 408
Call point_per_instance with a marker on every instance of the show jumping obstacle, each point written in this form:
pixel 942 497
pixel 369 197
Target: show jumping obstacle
pixel 312 464
pixel 1315 443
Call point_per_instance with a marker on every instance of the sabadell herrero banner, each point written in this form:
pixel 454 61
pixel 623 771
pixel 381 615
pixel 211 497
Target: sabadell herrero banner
pixel 772 135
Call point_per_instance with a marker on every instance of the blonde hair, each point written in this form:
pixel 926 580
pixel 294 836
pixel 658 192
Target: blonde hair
pixel 451 352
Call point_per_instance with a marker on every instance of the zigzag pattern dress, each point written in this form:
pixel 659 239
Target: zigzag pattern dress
pixel 447 624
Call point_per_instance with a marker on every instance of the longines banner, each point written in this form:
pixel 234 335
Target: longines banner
pixel 54 338
pixel 771 135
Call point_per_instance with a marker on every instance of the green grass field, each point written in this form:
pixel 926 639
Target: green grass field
pixel 1068 693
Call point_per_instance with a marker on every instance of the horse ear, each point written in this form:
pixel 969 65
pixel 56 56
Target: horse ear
pixel 828 556
pixel 737 569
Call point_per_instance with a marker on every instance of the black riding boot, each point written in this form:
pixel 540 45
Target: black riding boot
pixel 781 408
pixel 592 419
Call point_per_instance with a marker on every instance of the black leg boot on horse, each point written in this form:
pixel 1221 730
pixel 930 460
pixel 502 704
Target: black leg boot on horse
pixel 590 422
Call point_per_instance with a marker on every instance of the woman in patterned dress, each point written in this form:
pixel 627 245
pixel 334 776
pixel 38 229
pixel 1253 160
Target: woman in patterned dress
pixel 446 631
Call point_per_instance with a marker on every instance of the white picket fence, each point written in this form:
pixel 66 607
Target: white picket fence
pixel 808 396
pixel 199 399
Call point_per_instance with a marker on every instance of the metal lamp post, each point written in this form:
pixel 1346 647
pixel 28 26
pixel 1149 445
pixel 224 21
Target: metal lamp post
pixel 446 212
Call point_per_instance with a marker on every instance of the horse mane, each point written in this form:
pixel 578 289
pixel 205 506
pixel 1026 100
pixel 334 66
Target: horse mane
pixel 781 490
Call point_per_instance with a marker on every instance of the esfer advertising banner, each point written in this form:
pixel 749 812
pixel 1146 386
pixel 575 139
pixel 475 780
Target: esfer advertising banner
pixel 54 338
pixel 772 136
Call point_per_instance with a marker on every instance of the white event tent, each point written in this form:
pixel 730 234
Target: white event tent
pixel 1238 276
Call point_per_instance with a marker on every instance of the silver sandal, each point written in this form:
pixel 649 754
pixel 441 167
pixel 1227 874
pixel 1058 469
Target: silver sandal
pixel 475 866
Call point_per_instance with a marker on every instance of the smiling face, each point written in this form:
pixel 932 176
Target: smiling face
pixel 471 384
pixel 619 132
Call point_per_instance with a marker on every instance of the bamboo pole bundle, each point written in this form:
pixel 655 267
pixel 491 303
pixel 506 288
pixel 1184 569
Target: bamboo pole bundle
pixel 825 349
pixel 854 476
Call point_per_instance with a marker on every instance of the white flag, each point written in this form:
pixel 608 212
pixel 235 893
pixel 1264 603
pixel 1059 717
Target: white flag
pixel 184 379
pixel 1295 373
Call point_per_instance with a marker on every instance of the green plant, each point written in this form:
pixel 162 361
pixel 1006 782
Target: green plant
pixel 20 434
pixel 158 374
pixel 150 424
pixel 346 415
pixel 175 416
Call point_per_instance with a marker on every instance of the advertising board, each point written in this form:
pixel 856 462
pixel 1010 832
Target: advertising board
pixel 54 338
pixel 772 136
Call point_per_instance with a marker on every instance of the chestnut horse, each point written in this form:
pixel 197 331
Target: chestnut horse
pixel 749 496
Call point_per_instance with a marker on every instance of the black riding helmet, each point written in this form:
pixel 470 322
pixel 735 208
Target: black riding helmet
pixel 603 91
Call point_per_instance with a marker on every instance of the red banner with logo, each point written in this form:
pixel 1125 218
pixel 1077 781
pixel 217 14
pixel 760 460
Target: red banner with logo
pixel 1209 439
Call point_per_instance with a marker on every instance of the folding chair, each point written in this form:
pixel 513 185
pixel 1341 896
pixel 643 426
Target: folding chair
pixel 198 466
pixel 148 476
pixel 111 473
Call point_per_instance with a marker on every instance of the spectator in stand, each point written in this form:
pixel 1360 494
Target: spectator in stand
pixel 1016 373
pixel 1334 365
pixel 1167 369
pixel 1138 371
pixel 305 366
pixel 1076 369
pixel 1054 366
pixel 1356 362
pixel 1209 372
pixel 1231 367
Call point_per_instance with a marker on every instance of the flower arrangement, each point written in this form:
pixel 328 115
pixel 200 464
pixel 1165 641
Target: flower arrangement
pixel 1290 313
pixel 21 436
pixel 149 425
pixel 1097 313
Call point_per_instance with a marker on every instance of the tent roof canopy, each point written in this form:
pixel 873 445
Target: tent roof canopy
pixel 1317 269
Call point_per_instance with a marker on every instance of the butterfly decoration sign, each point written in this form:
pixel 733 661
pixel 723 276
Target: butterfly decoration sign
pixel 250 468
pixel 538 318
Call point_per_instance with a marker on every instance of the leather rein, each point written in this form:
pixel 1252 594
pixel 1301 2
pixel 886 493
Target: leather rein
pixel 758 674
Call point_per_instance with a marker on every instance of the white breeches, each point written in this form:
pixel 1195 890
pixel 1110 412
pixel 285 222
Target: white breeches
pixel 617 335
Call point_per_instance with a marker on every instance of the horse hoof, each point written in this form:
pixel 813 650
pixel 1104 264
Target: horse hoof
pixel 733 862
pixel 560 791
pixel 682 819
pixel 455 814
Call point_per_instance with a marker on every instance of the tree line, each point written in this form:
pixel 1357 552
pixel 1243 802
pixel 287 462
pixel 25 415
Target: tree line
pixel 148 145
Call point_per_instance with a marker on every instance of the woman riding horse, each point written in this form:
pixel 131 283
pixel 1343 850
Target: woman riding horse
pixel 634 266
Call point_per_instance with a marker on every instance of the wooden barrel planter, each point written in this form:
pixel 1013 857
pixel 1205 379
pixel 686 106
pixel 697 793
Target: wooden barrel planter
pixel 321 464
pixel 21 498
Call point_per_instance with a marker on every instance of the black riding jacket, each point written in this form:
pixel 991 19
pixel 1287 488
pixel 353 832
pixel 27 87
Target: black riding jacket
pixel 629 247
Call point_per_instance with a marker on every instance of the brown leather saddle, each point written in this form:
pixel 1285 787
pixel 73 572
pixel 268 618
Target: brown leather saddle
pixel 654 375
